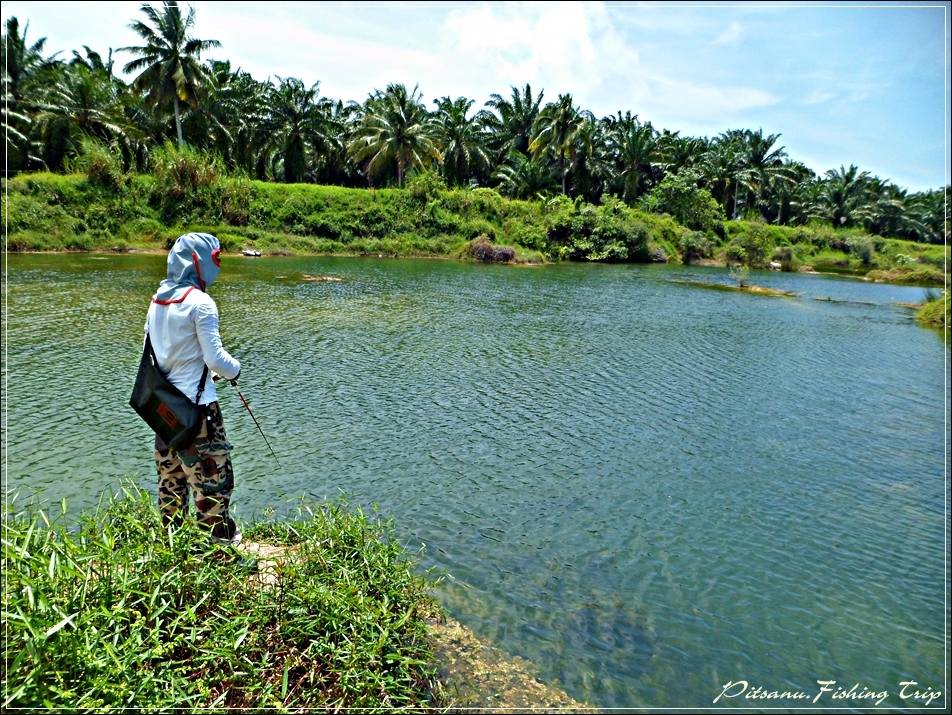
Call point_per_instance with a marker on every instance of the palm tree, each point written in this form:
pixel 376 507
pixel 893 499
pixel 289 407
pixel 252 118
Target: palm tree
pixel 298 120
pixel 522 178
pixel 24 69
pixel 92 60
pixel 844 201
pixel 637 151
pixel 681 152
pixel 510 127
pixel 82 102
pixel 763 163
pixel 555 131
pixel 461 141
pixel 21 61
pixel 781 200
pixel 334 165
pixel 170 59
pixel 591 166
pixel 396 129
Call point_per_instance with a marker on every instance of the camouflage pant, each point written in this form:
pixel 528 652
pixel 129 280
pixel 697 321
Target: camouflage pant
pixel 205 470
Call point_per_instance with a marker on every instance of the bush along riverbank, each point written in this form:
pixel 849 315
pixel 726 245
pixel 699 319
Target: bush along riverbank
pixel 101 208
pixel 118 612
pixel 935 312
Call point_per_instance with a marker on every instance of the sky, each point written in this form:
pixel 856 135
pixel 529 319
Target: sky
pixel 864 84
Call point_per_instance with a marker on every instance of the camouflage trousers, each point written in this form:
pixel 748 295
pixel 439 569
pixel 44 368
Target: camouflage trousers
pixel 204 470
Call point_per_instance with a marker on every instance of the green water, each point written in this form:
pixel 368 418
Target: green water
pixel 644 487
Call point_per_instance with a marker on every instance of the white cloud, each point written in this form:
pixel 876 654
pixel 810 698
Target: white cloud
pixel 592 51
pixel 730 35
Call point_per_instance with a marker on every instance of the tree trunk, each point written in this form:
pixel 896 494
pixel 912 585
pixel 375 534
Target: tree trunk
pixel 562 170
pixel 400 172
pixel 178 123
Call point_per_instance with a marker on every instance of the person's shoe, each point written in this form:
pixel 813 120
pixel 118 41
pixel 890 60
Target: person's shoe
pixel 235 539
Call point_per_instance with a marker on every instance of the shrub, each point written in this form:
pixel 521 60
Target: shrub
pixel 862 247
pixel 425 185
pixel 236 198
pixel 694 245
pixel 754 244
pixel 679 196
pixel 740 274
pixel 735 254
pixel 101 165
pixel 582 231
pixel 786 257
pixel 185 181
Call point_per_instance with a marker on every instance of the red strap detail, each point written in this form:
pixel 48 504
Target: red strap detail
pixel 216 257
pixel 169 302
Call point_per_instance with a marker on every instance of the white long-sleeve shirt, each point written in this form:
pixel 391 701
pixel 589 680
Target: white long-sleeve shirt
pixel 185 339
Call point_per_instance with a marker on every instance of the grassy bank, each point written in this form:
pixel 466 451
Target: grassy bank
pixel 102 210
pixel 819 247
pixel 120 612
pixel 936 312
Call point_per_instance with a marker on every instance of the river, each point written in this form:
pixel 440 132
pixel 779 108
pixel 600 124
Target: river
pixel 646 488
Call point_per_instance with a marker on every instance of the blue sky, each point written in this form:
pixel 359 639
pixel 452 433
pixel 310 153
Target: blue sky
pixel 848 83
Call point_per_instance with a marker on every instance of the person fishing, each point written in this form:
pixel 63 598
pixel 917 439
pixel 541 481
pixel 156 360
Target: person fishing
pixel 182 325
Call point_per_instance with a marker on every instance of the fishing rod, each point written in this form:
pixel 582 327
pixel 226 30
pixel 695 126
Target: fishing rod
pixel 234 383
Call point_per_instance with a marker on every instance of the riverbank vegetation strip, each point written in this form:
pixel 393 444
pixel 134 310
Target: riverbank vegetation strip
pixel 205 145
pixel 120 612
pixel 107 210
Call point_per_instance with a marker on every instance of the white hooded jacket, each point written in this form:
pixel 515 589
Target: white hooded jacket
pixel 183 319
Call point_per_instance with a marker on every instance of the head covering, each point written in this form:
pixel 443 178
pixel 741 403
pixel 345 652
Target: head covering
pixel 193 263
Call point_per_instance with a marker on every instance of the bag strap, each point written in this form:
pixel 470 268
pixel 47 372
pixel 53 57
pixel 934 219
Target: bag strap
pixel 201 385
pixel 155 361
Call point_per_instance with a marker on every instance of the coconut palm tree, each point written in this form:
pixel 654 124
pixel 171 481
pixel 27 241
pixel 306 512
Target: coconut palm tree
pixel 92 60
pixel 170 63
pixel 395 130
pixel 555 131
pixel 461 140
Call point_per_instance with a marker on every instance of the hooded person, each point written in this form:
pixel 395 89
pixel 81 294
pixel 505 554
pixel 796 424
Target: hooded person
pixel 182 325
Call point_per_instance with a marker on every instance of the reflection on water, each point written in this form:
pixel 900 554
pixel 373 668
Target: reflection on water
pixel 646 488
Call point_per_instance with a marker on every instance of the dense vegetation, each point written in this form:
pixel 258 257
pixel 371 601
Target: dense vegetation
pixel 120 612
pixel 104 209
pixel 523 148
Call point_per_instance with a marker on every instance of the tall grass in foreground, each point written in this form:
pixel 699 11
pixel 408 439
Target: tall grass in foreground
pixel 121 612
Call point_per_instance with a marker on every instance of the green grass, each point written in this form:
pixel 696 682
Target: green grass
pixel 936 312
pixel 120 612
pixel 826 249
pixel 147 212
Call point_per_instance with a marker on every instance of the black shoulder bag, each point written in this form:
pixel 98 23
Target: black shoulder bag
pixel 167 410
